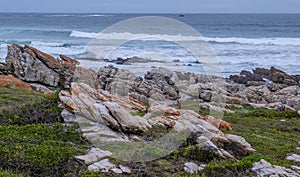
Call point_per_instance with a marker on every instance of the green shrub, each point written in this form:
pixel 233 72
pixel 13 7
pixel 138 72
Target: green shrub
pixel 20 107
pixel 40 149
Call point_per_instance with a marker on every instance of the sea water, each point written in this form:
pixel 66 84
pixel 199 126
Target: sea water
pixel 239 41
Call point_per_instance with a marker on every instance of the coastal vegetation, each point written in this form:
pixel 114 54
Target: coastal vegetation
pixel 41 145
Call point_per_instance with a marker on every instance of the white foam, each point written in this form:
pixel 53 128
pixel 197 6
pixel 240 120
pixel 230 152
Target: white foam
pixel 131 36
pixel 81 34
pixel 257 41
pixel 55 48
pixel 60 15
pixel 96 15
pixel 179 37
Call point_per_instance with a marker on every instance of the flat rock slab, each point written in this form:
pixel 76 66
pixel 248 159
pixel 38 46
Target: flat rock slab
pixel 94 155
pixel 125 169
pixel 293 157
pixel 264 168
pixel 191 167
pixel 104 165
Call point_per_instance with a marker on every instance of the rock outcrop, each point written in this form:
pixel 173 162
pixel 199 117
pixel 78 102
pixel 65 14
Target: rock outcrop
pixel 115 106
pixel 34 66
pixel 261 75
pixel 106 117
pixel 161 84
pixel 124 82
pixel 264 168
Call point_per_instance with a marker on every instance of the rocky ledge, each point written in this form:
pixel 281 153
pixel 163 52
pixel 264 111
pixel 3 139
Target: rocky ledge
pixel 36 67
pixel 114 106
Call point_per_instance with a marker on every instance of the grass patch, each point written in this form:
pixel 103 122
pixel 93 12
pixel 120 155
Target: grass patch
pixel 5 173
pixel 40 149
pixel 20 107
pixel 140 114
pixel 267 133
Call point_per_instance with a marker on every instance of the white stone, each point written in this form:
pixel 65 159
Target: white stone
pixel 264 168
pixel 117 171
pixel 296 168
pixel 191 167
pixel 93 168
pixel 294 157
pixel 94 155
pixel 125 169
pixel 261 164
pixel 105 165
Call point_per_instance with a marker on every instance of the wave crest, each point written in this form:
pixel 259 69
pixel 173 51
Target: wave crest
pixel 229 40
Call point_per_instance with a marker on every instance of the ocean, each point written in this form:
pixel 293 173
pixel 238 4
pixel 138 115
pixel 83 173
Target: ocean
pixel 239 41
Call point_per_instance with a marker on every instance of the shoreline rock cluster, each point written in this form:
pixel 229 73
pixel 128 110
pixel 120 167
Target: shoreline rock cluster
pixel 115 105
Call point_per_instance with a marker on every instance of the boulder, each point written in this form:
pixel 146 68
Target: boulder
pixel 191 167
pixel 32 65
pixel 104 108
pixel 125 120
pixel 293 157
pixel 260 75
pixel 156 84
pixel 264 168
pixel 205 95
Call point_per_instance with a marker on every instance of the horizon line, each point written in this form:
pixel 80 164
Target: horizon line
pixel 167 13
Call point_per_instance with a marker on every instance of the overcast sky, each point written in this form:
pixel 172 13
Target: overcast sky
pixel 152 6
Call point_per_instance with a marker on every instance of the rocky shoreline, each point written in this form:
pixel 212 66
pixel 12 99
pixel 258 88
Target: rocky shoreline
pixel 115 108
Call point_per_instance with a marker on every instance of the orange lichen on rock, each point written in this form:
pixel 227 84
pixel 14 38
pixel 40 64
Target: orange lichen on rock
pixel 46 58
pixel 224 124
pixel 173 111
pixel 219 123
pixel 13 81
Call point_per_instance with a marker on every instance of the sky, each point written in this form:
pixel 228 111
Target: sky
pixel 151 6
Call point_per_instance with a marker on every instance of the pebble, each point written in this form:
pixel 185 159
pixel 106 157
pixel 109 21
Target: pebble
pixel 191 167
